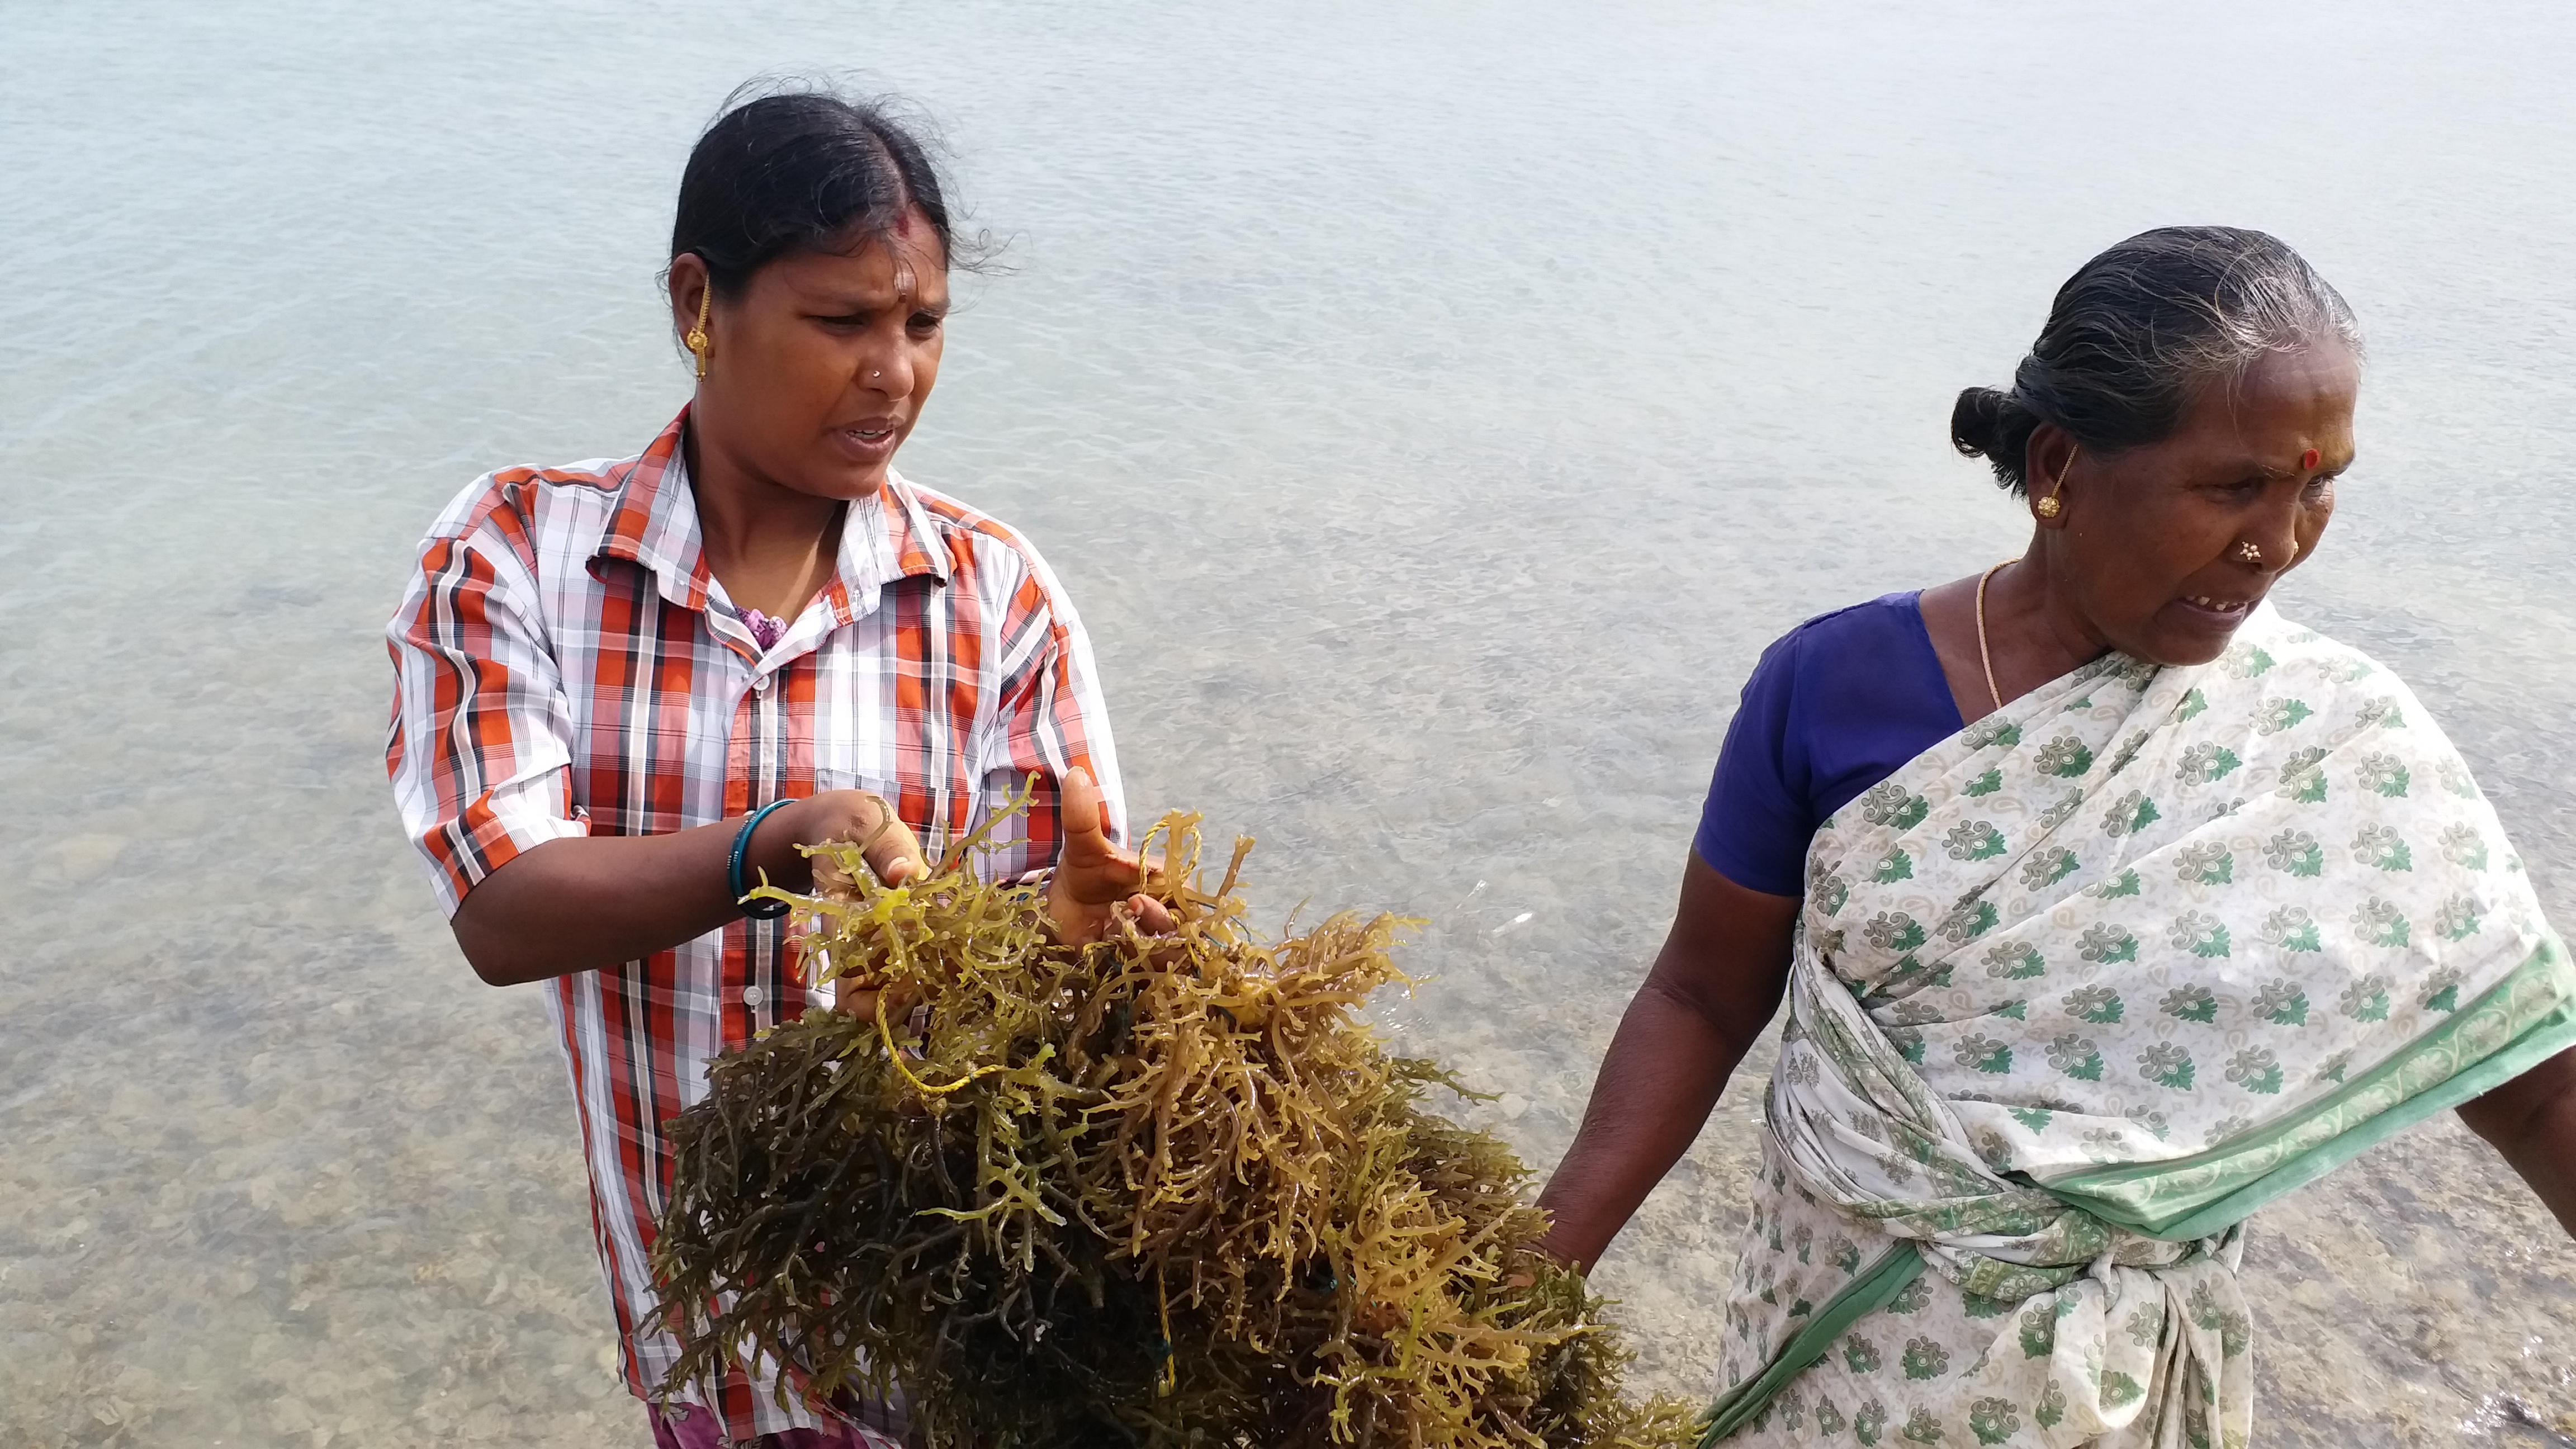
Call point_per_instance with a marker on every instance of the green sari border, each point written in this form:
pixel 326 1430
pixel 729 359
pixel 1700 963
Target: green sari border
pixel 2542 1038
pixel 1866 1294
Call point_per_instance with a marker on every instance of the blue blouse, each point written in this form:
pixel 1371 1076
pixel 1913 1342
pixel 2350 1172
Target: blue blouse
pixel 1835 706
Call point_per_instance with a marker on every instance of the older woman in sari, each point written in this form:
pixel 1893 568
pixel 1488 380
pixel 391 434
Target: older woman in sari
pixel 2109 905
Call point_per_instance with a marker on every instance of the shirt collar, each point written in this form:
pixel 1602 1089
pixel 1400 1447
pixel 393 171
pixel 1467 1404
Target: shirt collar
pixel 888 535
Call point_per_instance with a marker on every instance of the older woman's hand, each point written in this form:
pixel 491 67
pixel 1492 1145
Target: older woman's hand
pixel 1093 876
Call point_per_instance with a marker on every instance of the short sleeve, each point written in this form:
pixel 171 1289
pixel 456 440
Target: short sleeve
pixel 1049 718
pixel 479 750
pixel 1755 825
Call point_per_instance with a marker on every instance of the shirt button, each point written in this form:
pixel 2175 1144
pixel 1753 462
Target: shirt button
pixel 760 684
pixel 753 996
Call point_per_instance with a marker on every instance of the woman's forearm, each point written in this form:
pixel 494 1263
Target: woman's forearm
pixel 1665 1070
pixel 2531 1121
pixel 1711 993
pixel 581 903
pixel 2546 1158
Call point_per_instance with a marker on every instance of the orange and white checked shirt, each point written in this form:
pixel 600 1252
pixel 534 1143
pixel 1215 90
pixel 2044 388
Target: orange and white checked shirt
pixel 565 665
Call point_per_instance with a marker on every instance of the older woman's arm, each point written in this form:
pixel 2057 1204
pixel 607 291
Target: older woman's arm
pixel 1707 999
pixel 2532 1121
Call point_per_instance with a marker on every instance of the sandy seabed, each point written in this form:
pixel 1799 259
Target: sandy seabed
pixel 1425 530
pixel 318 1232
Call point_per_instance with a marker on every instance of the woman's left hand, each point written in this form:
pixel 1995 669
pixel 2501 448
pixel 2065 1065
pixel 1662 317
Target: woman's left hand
pixel 1093 877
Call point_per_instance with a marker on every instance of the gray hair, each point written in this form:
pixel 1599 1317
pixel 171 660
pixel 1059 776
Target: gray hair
pixel 2139 331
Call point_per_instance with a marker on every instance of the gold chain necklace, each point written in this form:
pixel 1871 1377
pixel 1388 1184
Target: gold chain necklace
pixel 1986 656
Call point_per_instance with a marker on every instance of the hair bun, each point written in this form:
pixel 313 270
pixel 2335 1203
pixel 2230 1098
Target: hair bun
pixel 1994 425
pixel 1977 422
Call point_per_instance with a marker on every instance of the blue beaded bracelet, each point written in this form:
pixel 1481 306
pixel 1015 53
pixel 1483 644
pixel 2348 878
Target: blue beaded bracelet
pixel 757 910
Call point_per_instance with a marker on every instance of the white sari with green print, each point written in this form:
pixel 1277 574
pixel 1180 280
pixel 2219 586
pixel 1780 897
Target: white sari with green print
pixel 2075 992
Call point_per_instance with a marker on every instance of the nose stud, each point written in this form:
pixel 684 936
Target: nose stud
pixel 2308 460
pixel 2248 553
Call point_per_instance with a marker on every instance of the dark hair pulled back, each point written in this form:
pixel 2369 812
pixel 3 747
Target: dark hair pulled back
pixel 2139 331
pixel 801 170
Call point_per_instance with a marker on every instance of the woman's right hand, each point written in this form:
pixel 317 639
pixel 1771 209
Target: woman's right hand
pixel 857 817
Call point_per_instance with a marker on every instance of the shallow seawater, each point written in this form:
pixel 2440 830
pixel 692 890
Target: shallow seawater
pixel 1433 409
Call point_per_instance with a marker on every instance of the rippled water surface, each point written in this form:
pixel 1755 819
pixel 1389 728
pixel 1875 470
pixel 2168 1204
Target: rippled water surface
pixel 1433 407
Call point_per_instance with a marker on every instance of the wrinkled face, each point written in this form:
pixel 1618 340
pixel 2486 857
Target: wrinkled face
pixel 2152 544
pixel 818 370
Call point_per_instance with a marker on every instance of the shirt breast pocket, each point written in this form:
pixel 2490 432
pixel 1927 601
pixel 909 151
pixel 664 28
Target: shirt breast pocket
pixel 919 808
pixel 828 778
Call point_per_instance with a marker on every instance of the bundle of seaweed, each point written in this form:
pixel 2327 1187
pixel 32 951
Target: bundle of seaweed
pixel 1159 1191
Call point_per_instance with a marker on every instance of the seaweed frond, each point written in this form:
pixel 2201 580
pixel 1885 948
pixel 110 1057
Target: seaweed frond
pixel 1156 1191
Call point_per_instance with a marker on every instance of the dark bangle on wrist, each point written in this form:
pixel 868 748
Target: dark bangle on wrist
pixel 757 910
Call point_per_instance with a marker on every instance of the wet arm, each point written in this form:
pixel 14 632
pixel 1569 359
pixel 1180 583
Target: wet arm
pixel 2531 1120
pixel 1704 1003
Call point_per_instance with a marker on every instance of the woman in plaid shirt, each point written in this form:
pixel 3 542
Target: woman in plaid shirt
pixel 606 672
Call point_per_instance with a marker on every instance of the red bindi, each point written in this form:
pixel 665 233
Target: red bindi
pixel 2308 459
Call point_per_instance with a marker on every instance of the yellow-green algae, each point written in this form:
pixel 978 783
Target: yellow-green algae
pixel 1156 1191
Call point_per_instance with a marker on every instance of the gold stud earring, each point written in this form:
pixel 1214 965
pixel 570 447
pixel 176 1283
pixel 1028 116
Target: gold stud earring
pixel 2049 507
pixel 697 341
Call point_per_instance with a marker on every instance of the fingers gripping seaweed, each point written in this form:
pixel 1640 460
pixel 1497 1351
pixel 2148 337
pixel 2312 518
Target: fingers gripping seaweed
pixel 1157 1191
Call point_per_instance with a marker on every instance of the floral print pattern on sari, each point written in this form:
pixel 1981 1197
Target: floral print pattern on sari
pixel 2075 991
